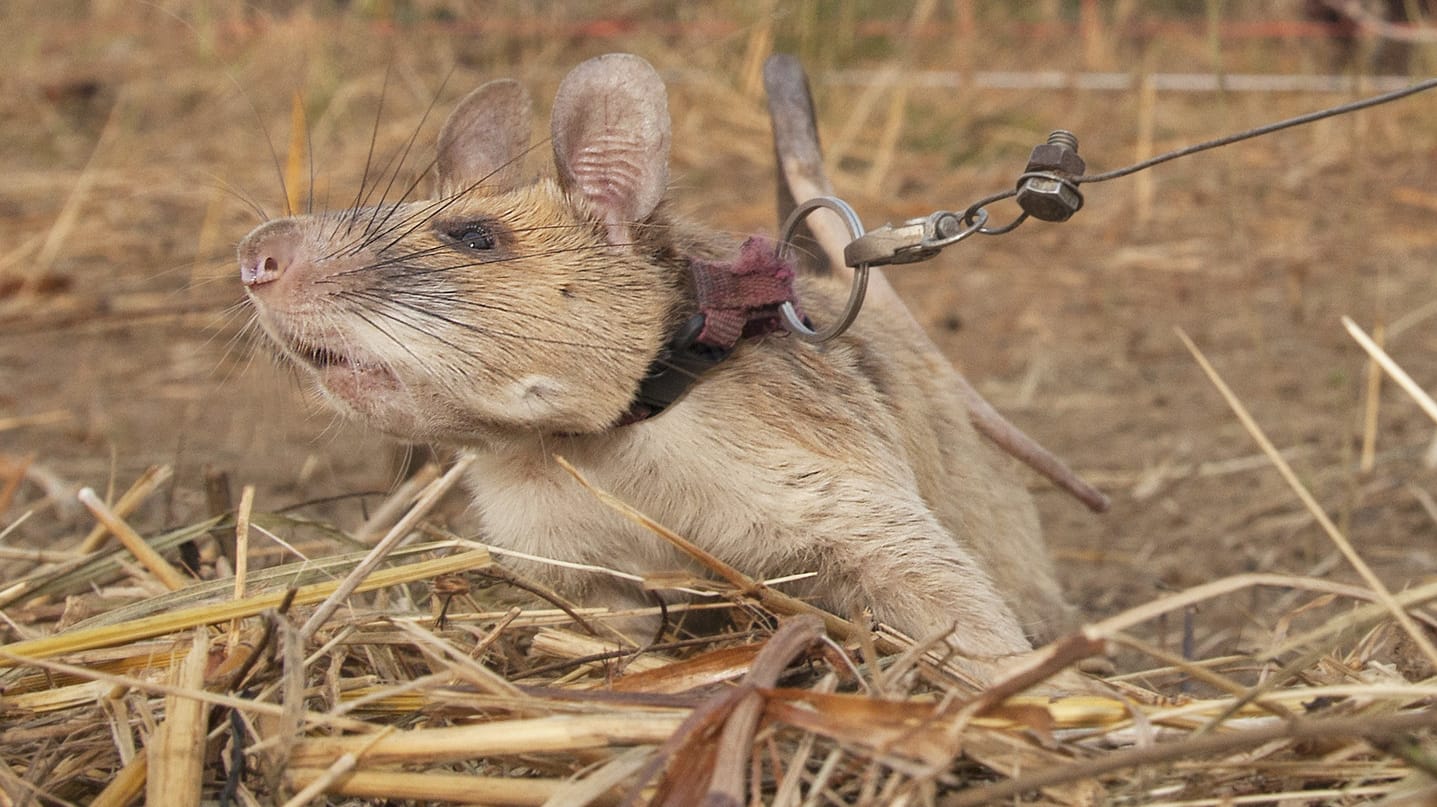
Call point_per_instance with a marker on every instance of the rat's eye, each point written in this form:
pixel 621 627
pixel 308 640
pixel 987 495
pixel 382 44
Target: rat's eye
pixel 475 235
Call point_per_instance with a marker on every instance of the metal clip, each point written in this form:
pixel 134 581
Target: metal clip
pixel 913 240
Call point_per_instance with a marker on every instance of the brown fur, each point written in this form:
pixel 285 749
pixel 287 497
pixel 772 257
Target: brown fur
pixel 855 459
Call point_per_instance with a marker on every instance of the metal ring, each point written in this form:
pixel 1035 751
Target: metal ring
pixel 860 272
pixel 1006 228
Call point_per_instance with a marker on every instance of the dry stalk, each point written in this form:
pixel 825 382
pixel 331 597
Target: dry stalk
pixel 390 510
pixel 1361 727
pixel 141 489
pixel 319 783
pixel 16 471
pixel 1393 369
pixel 774 601
pixel 594 787
pixel 1358 618
pixel 295 157
pixel 897 117
pixel 1373 401
pixel 125 785
pixel 241 554
pixel 431 786
pixel 80 639
pixel 501 737
pixel 65 223
pixel 1345 546
pixel 148 557
pixel 177 750
pixel 211 698
pixel 1183 599
pixel 791 639
pixel 242 518
pixel 460 665
pixel 392 539
pixel 38 419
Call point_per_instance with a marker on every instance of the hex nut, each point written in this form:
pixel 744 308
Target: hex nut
pixel 1057 158
pixel 1048 199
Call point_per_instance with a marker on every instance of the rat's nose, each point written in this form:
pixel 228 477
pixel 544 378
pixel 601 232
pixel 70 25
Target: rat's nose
pixel 268 252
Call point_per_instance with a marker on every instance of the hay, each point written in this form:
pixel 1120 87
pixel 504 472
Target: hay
pixel 394 703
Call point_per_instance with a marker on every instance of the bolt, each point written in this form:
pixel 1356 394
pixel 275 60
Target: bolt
pixel 1063 137
pixel 1059 154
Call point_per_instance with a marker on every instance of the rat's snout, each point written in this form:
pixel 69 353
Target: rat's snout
pixel 268 252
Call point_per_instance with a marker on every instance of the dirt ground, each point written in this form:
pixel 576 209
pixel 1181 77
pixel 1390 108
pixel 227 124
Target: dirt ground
pixel 135 141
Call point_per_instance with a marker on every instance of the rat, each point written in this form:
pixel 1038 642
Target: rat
pixel 519 318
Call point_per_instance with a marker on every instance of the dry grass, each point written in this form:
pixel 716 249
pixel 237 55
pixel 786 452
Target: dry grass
pixel 394 700
pixel 1269 609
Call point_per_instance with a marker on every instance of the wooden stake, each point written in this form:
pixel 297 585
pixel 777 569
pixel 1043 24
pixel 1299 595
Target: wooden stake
pixel 1143 188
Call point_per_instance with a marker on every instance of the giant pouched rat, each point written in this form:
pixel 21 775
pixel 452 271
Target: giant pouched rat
pixel 520 319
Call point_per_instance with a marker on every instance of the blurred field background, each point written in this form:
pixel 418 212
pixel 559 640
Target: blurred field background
pixel 139 141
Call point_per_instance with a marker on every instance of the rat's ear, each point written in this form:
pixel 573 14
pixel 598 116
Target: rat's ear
pixel 483 143
pixel 611 139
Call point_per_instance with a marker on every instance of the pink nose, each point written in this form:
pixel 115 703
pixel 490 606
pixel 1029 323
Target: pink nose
pixel 268 252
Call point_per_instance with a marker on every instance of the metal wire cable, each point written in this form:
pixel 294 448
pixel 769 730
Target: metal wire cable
pixel 1257 131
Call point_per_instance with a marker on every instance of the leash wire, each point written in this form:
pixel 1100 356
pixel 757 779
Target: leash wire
pixel 1226 140
pixel 1266 129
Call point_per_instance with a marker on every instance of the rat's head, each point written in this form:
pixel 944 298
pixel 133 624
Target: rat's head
pixel 502 305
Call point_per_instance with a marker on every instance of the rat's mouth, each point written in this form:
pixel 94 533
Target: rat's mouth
pixel 347 374
pixel 360 383
pixel 322 358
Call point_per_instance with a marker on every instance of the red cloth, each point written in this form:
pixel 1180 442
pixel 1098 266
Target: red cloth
pixel 741 299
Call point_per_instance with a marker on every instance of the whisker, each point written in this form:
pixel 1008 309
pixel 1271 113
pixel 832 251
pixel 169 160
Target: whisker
pixel 361 314
pixel 483 330
pixel 425 271
pixel 474 305
pixel 443 204
pixel 408 146
pixel 353 211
